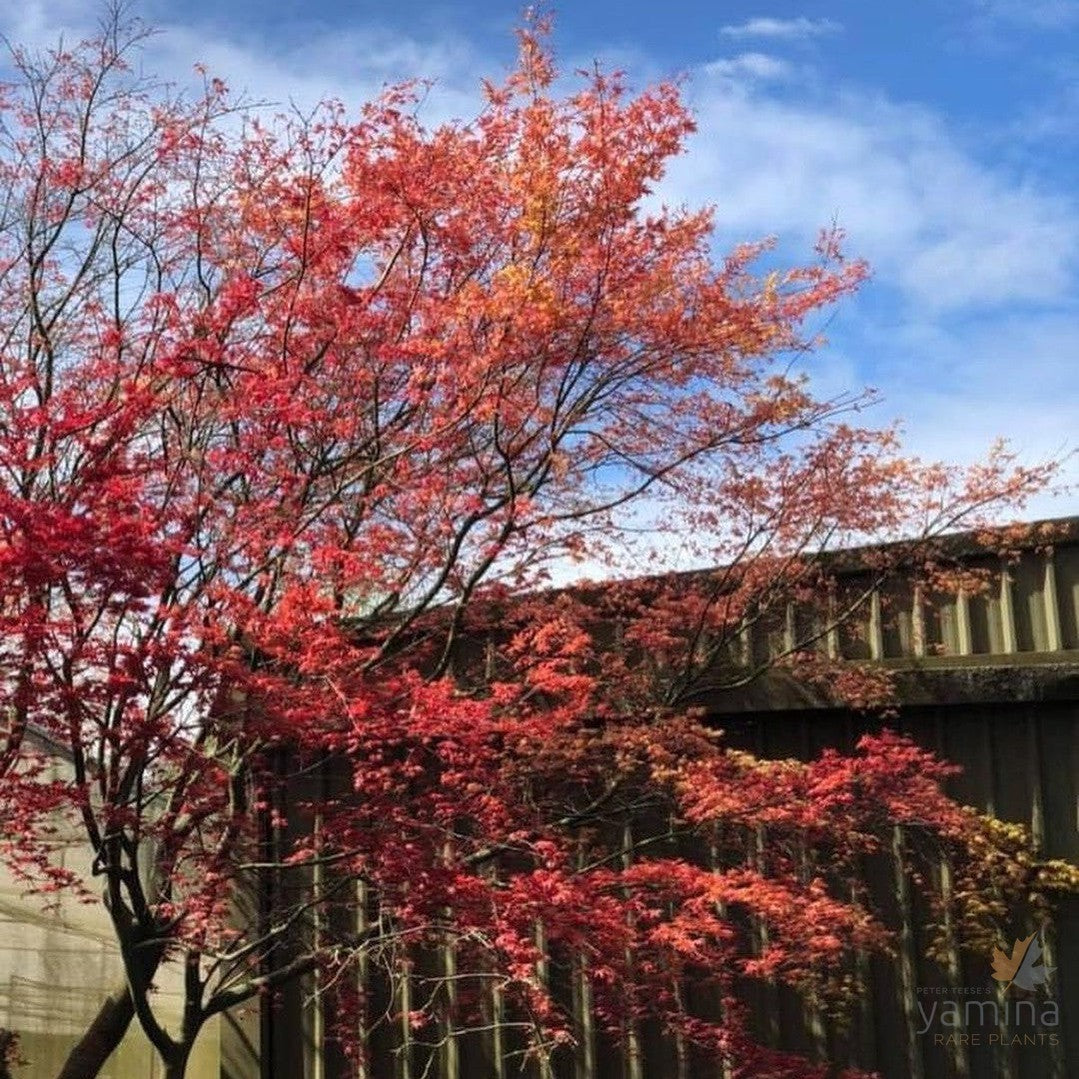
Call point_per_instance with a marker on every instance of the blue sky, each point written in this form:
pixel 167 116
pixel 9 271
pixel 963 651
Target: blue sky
pixel 941 134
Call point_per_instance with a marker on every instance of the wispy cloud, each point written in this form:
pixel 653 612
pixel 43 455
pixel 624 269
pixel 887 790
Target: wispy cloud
pixel 1040 14
pixel 946 229
pixel 797 29
pixel 959 387
pixel 350 63
pixel 756 66
pixel 40 24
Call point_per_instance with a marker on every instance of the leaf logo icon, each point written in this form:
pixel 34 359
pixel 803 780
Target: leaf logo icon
pixel 1023 967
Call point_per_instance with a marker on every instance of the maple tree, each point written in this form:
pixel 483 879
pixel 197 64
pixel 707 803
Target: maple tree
pixel 296 416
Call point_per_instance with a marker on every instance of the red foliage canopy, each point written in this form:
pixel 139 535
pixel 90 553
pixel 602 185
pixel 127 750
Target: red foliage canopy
pixel 289 412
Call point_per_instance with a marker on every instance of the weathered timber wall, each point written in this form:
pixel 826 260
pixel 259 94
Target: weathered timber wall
pixel 1020 763
pixel 990 680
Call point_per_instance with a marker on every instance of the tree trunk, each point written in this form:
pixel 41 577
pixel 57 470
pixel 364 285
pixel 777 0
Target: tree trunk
pixel 176 1064
pixel 104 1034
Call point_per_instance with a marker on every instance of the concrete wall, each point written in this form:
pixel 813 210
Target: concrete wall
pixel 56 965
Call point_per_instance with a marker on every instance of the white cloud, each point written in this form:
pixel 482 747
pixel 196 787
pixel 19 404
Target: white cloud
pixel 750 65
pixel 36 26
pixel 946 229
pixel 353 65
pixel 983 262
pixel 797 29
pixel 350 63
pixel 1041 14
pixel 961 386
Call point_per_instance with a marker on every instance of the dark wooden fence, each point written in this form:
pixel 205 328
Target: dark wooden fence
pixel 990 681
pixel 1020 762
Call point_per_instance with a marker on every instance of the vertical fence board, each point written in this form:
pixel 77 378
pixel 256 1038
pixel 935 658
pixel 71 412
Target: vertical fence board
pixel 1020 761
